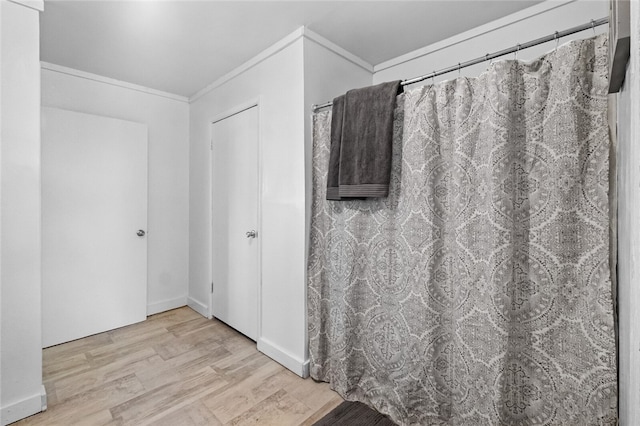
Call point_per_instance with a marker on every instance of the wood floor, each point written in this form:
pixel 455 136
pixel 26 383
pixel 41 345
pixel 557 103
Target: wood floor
pixel 177 368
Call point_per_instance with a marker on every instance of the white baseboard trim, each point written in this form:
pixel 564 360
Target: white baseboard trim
pixel 166 305
pixel 24 408
pixel 198 307
pixel 43 398
pixel 289 361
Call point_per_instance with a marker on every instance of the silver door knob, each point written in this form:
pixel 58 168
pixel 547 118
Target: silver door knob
pixel 140 233
pixel 252 234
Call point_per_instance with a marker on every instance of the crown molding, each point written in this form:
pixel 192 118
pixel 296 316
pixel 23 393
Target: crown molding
pixel 514 18
pixel 31 4
pixel 307 33
pixel 106 80
pixel 265 54
pixel 285 42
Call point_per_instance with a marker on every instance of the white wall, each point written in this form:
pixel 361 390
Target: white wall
pixel 629 230
pixel 278 81
pixel 328 73
pixel 521 27
pixel 287 79
pixel 20 324
pixel 168 123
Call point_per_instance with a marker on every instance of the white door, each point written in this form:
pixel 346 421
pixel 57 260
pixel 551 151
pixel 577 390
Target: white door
pixel 234 204
pixel 94 205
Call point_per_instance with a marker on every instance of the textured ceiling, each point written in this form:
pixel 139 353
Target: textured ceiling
pixel 182 46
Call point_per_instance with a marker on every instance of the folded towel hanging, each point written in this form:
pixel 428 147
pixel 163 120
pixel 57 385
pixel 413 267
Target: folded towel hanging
pixel 333 176
pixel 361 150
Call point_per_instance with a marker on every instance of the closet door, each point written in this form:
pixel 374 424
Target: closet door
pixel 234 212
pixel 94 221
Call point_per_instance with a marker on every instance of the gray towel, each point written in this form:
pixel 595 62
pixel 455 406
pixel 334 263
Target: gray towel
pixel 365 145
pixel 333 176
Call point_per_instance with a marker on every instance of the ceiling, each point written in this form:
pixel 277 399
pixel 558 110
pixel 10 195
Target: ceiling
pixel 182 46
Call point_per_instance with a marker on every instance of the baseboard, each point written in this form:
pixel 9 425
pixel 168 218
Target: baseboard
pixel 198 307
pixel 24 408
pixel 293 363
pixel 166 305
pixel 43 398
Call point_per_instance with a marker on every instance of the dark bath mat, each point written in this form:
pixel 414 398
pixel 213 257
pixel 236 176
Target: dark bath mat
pixel 354 414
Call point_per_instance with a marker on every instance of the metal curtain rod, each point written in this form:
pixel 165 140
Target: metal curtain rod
pixel 489 56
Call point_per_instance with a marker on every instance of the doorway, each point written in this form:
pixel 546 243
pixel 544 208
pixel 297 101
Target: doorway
pixel 94 223
pixel 235 233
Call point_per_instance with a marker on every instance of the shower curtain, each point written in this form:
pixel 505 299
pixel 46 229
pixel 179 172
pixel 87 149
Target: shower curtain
pixel 479 291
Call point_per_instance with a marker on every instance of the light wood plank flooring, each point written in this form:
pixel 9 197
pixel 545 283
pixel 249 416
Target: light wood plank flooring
pixel 175 368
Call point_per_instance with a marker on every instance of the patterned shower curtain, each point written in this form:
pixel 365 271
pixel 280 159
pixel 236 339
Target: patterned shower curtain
pixel 479 291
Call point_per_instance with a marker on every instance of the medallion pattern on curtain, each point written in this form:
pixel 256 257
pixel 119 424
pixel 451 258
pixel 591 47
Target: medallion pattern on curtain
pixel 479 291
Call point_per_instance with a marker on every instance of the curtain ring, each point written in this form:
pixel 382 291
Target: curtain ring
pixel 557 39
pixel 459 68
pixel 433 77
pixel 593 26
pixel 517 50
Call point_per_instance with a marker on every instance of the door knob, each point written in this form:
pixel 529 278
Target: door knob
pixel 140 233
pixel 252 234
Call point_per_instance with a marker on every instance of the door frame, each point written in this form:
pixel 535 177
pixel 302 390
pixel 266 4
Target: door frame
pixel 93 119
pixel 251 103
